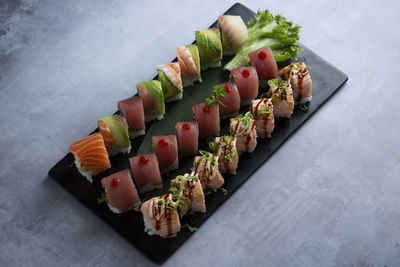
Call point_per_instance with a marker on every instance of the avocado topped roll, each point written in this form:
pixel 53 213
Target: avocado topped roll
pixel 114 130
pixel 171 83
pixel 233 32
pixel 152 97
pixel 189 62
pixel 210 47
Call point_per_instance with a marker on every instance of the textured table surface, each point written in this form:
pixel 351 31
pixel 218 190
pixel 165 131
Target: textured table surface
pixel 328 197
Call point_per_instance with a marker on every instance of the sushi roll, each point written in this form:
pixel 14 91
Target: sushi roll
pixel 171 83
pixel 282 98
pixel 300 80
pixel 132 109
pixel 117 126
pixel 233 33
pixel 121 192
pixel 189 63
pixel 225 148
pixel 210 47
pixel 207 118
pixel 229 104
pixel 146 172
pixel 188 194
pixel 244 128
pixel 187 134
pixel 246 80
pixel 166 149
pixel 152 97
pixel 206 168
pixel 91 155
pixel 264 62
pixel 263 113
pixel 160 215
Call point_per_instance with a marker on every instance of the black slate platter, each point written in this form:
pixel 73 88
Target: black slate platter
pixel 326 81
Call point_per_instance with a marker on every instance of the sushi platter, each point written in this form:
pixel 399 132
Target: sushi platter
pixel 110 177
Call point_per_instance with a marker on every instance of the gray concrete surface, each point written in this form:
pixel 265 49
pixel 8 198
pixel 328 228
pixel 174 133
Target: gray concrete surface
pixel 328 197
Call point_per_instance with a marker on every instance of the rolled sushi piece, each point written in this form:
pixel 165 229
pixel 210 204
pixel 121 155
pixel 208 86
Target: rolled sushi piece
pixel 264 62
pixel 246 80
pixel 229 104
pixel 300 80
pixel 282 98
pixel 187 134
pixel 188 194
pixel 132 109
pixel 233 33
pixel 160 215
pixel 225 148
pixel 171 83
pixel 146 172
pixel 166 149
pixel 206 168
pixel 152 97
pixel 244 128
pixel 210 47
pixel 207 118
pixel 118 127
pixel 91 155
pixel 121 192
pixel 189 63
pixel 263 113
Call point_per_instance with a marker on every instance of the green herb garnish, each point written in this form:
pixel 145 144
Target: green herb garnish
pixel 228 158
pixel 224 191
pixel 190 228
pixel 218 91
pixel 211 145
pixel 274 82
pixel 102 198
pixel 303 107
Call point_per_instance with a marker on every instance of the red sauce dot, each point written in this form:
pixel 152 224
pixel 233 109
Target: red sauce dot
pixel 227 89
pixel 207 109
pixel 245 73
pixel 186 126
pixel 115 182
pixel 262 55
pixel 143 160
pixel 162 143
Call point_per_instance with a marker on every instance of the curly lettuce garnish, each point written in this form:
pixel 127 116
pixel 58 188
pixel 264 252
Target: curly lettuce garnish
pixel 266 29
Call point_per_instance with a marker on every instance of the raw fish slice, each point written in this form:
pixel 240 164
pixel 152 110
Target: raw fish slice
pixel 187 134
pixel 264 62
pixel 234 33
pixel 91 155
pixel 171 83
pixel 244 128
pixel 166 149
pixel 225 149
pixel 207 118
pixel 229 104
pixel 146 172
pixel 186 62
pixel 160 216
pixel 189 194
pixel 152 97
pixel 206 168
pixel 282 98
pixel 246 80
pixel 263 113
pixel 132 110
pixel 121 192
pixel 300 80
pixel 107 136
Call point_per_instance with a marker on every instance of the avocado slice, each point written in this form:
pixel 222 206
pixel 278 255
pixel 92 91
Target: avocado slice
pixel 210 47
pixel 168 88
pixel 118 132
pixel 154 87
pixel 194 51
pixel 225 41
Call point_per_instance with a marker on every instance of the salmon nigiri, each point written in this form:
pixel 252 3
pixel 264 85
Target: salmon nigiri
pixel 91 155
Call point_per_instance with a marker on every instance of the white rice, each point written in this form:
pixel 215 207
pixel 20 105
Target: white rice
pixel 190 80
pixel 147 226
pixel 134 134
pixel 211 65
pixel 154 117
pixel 85 172
pixel 116 150
pixel 175 97
pixel 114 210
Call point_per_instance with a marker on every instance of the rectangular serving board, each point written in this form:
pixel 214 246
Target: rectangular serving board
pixel 326 81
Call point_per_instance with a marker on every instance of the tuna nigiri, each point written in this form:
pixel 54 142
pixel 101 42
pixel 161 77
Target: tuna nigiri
pixel 244 128
pixel 225 148
pixel 171 83
pixel 229 104
pixel 91 155
pixel 233 32
pixel 187 134
pixel 264 62
pixel 300 80
pixel 189 63
pixel 166 149
pixel 132 109
pixel 146 172
pixel 263 113
pixel 246 80
pixel 207 118
pixel 121 192
pixel 152 97
pixel 114 130
pixel 206 168
pixel 282 98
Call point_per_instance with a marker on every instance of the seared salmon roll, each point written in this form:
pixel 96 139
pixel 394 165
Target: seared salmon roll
pixel 282 98
pixel 262 111
pixel 225 148
pixel 300 80
pixel 244 128
pixel 206 168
